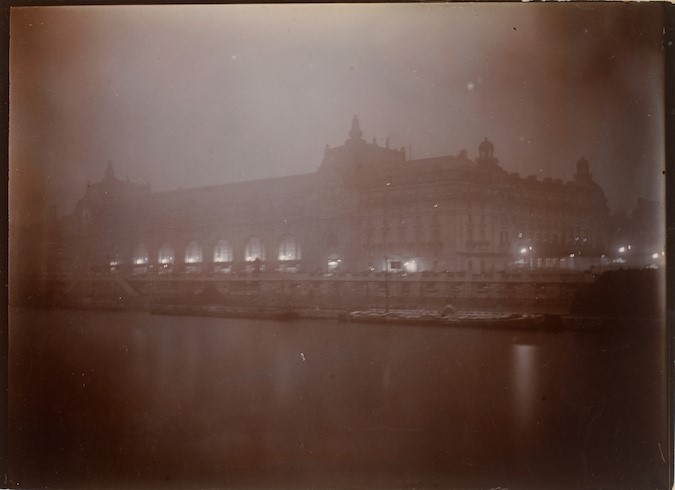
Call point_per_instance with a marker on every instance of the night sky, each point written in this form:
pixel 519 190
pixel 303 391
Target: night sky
pixel 185 96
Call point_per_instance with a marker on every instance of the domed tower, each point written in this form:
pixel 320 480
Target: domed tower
pixel 583 174
pixel 486 152
pixel 355 131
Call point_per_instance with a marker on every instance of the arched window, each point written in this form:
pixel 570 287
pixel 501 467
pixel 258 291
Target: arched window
pixel 140 254
pixel 193 253
pixel 165 255
pixel 222 252
pixel 289 249
pixel 254 250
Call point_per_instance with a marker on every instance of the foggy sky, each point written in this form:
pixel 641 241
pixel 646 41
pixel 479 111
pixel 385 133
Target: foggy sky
pixel 184 96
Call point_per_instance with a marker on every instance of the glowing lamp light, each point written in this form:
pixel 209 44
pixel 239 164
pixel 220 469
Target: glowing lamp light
pixel 113 263
pixel 571 256
pixel 628 247
pixel 622 250
pixel 140 261
pixel 655 255
pixel 523 250
pixel 530 248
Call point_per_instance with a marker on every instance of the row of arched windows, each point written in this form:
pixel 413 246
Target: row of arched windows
pixel 289 250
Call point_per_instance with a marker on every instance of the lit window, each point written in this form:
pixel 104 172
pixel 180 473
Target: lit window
pixel 193 253
pixel 410 266
pixel 140 254
pixel 289 249
pixel 222 252
pixel 255 250
pixel 165 255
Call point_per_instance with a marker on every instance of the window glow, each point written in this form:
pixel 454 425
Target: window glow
pixel 222 252
pixel 140 254
pixel 165 255
pixel 333 263
pixel 655 255
pixel 572 256
pixel 193 253
pixel 622 250
pixel 523 250
pixel 289 249
pixel 410 266
pixel 254 250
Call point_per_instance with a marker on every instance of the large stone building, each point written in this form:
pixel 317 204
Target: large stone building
pixel 365 206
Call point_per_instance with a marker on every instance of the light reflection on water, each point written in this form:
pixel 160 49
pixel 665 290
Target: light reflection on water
pixel 525 387
pixel 204 401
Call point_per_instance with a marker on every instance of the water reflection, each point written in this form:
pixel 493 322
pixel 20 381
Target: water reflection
pixel 524 385
pixel 212 402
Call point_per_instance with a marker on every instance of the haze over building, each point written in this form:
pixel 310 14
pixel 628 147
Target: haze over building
pixel 185 96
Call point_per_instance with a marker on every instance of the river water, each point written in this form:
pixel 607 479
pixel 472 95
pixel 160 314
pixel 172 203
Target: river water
pixel 105 399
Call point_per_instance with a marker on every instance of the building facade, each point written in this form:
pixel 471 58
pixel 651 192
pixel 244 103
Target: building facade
pixel 366 208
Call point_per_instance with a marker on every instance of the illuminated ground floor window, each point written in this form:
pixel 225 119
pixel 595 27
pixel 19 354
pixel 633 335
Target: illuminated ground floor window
pixel 289 249
pixel 254 250
pixel 165 255
pixel 140 254
pixel 222 252
pixel 193 253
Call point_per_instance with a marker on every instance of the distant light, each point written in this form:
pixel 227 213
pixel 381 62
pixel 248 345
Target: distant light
pixel 663 253
pixel 140 261
pixel 435 205
pixel 388 184
pixel 470 86
pixel 622 250
pixel 655 255
pixel 113 263
pixel 530 248
pixel 523 250
pixel 628 247
pixel 410 266
pixel 572 256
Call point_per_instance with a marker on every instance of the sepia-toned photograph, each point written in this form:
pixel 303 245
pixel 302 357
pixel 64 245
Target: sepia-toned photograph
pixel 338 246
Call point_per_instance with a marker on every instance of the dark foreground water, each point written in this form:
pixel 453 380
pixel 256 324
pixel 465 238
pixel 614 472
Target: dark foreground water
pixel 102 399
